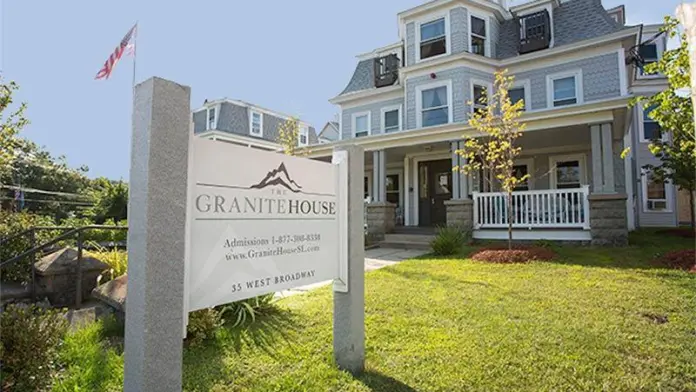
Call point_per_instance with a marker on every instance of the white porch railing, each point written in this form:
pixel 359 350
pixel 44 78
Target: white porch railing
pixel 555 208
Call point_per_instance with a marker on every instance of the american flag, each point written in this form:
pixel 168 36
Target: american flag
pixel 124 46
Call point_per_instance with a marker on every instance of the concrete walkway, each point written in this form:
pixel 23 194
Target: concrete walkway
pixel 374 259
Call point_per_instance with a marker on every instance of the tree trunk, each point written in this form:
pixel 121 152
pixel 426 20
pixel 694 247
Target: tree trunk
pixel 509 216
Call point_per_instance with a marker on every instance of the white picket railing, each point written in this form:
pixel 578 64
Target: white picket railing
pixel 554 208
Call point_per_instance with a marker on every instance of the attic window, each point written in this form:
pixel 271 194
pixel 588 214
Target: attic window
pixel 535 32
pixel 303 137
pixel 649 54
pixel 433 39
pixel 212 117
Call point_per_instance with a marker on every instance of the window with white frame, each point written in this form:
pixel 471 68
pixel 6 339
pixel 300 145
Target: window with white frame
pixel 303 137
pixel 434 106
pixel 256 123
pixel 391 119
pixel 478 35
pixel 654 194
pixel 361 124
pixel 517 94
pixel 565 89
pixel 211 114
pixel 479 92
pixel 651 128
pixel 433 38
pixel 567 172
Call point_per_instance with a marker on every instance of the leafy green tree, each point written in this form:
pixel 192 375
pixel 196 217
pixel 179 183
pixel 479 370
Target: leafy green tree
pixel 110 201
pixel 674 114
pixel 10 123
pixel 495 150
pixel 289 135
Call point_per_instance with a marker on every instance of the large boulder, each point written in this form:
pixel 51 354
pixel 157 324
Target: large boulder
pixel 56 276
pixel 113 293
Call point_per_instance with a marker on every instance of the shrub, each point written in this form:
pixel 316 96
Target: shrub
pixel 244 311
pixel 449 241
pixel 116 259
pixel 516 255
pixel 202 325
pixel 15 223
pixel 680 259
pixel 30 340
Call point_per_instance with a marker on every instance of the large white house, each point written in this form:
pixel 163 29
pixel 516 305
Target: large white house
pixel 574 64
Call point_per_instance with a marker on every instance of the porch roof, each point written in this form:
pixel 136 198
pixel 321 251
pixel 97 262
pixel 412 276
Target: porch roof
pixel 605 111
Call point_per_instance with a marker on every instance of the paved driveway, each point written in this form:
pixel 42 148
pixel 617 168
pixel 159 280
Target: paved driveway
pixel 374 259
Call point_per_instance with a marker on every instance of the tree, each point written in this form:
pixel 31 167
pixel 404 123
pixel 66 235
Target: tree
pixel 494 149
pixel 110 201
pixel 10 124
pixel 289 135
pixel 674 114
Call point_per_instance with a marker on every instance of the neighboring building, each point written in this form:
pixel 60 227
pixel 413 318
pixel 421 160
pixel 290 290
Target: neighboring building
pixel 408 105
pixel 329 133
pixel 246 124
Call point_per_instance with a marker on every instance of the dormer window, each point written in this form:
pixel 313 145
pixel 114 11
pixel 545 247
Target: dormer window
pixel 433 38
pixel 649 54
pixel 535 32
pixel 386 70
pixel 212 118
pixel 478 36
pixel 255 123
pixel 303 137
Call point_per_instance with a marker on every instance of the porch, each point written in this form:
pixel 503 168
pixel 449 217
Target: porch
pixel 576 190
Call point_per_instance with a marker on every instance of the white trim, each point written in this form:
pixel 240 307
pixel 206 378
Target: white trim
pixel 245 140
pixel 430 156
pixel 623 72
pixel 394 48
pixel 669 195
pixel 487 42
pixel 407 192
pixel 216 109
pixel 448 36
pixel 660 45
pixel 386 109
pixel 553 161
pixel 400 173
pixel 251 123
pixel 527 85
pixel 419 100
pixel 366 97
pixel 355 116
pixel 524 235
pixel 252 106
pixel 628 180
pixel 304 130
pixel 477 82
pixel 340 124
pixel 579 93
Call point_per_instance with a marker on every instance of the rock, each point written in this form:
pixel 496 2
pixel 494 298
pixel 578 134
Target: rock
pixel 113 293
pixel 88 313
pixel 56 276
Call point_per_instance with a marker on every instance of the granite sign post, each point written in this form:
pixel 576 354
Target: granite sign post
pixel 212 223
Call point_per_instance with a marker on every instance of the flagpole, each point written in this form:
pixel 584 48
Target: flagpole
pixel 135 53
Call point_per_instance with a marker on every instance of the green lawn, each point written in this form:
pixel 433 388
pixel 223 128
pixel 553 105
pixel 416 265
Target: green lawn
pixel 583 323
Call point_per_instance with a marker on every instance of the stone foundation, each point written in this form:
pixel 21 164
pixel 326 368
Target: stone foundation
pixel 608 221
pixel 380 219
pixel 460 213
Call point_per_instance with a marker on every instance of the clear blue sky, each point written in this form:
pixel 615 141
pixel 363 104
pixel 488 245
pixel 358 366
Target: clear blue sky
pixel 291 56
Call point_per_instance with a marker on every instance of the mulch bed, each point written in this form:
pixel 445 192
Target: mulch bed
pixel 680 259
pixel 683 232
pixel 519 254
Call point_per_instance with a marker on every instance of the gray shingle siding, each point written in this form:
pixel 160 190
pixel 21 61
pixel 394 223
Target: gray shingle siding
pixel 508 44
pixel 494 35
pixel 461 92
pixel 459 30
pixel 233 119
pixel 600 75
pixel 199 121
pixel 410 43
pixel 363 77
pixel 375 110
pixel 579 20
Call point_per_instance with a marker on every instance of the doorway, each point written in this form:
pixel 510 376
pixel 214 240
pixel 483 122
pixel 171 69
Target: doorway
pixel 434 188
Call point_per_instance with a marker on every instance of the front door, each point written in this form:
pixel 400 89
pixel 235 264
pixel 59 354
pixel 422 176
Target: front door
pixel 434 187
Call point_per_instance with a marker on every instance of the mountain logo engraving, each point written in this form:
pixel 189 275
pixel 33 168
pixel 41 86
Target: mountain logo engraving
pixel 279 177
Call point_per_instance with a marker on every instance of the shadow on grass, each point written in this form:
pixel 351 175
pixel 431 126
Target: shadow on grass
pixel 440 278
pixel 264 334
pixel 382 383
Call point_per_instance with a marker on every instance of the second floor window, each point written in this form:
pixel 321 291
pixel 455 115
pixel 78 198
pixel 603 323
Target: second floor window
pixel 256 124
pixel 651 129
pixel 391 120
pixel 212 116
pixel 517 94
pixel 478 36
pixel 564 91
pixel 361 125
pixel 433 39
pixel 435 106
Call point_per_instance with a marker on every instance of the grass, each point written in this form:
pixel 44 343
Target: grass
pixel 590 321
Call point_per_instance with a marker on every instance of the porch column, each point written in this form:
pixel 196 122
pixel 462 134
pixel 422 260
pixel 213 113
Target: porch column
pixel 608 216
pixel 381 215
pixel 460 212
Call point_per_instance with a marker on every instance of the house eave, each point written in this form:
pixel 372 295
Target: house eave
pixel 237 138
pixel 364 94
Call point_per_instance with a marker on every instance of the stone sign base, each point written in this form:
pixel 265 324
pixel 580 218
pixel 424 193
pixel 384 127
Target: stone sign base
pixel 381 219
pixel 608 221
pixel 460 213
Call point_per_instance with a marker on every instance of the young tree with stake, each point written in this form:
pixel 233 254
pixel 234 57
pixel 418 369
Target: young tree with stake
pixel 494 149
